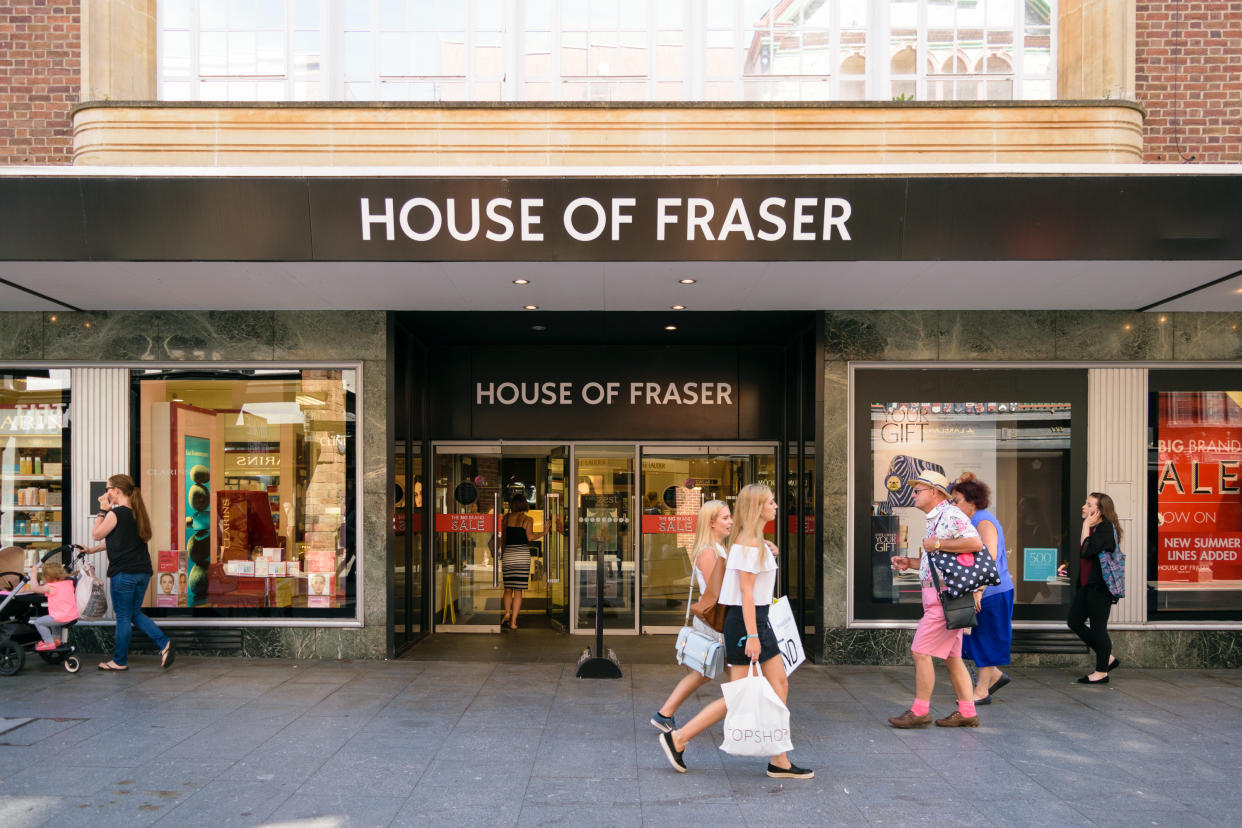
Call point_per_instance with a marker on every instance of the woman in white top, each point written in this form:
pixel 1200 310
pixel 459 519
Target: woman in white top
pixel 749 580
pixel 715 522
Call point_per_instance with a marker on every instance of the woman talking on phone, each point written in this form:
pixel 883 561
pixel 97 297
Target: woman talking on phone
pixel 749 581
pixel 124 527
pixel 1092 600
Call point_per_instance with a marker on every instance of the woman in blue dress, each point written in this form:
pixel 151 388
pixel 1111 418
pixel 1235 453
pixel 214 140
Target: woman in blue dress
pixel 989 643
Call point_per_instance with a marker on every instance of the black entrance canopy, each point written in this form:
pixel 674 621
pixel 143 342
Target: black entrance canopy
pixel 778 240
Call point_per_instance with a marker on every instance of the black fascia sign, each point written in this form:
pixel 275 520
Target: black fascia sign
pixel 583 219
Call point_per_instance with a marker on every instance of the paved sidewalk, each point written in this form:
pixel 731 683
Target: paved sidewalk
pixel 217 741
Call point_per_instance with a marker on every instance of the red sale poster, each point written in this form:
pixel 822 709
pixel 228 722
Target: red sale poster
pixel 1199 490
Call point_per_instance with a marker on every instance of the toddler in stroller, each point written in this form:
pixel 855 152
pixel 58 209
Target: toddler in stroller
pixel 30 621
pixel 62 604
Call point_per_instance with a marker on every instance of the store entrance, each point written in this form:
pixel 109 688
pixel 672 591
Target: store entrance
pixel 475 486
pixel 612 527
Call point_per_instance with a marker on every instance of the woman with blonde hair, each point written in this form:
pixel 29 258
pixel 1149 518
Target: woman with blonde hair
pixel 124 527
pixel 714 524
pixel 749 581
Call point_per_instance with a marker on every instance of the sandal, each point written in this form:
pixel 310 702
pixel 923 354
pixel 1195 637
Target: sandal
pixel 112 666
pixel 167 655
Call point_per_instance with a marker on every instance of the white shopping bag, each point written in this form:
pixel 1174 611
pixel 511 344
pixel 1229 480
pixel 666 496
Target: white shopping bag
pixel 757 723
pixel 781 617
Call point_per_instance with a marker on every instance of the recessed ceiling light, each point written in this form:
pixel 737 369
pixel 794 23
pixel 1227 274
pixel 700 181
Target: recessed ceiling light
pixel 676 307
pixel 1163 319
pixel 52 318
pixel 686 281
pixel 670 327
pixel 538 327
pixel 521 281
pixel 530 307
pixel 1239 290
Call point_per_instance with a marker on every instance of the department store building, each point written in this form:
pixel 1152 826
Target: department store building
pixel 336 282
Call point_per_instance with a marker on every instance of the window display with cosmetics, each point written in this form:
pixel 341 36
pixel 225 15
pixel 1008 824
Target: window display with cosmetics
pixel 34 459
pixel 249 479
pixel 1020 446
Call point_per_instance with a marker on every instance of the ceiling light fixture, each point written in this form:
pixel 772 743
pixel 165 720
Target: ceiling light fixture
pixel 686 281
pixel 538 327
pixel 676 307
pixel 521 281
pixel 530 307
pixel 670 327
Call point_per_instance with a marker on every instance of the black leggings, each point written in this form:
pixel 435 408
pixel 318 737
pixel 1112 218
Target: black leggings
pixel 1091 604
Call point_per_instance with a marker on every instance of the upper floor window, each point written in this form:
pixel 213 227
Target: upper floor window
pixel 607 50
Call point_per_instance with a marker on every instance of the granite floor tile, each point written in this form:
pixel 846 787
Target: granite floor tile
pixel 230 802
pixel 617 816
pixel 358 808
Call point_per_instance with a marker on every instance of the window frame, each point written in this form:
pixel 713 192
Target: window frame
pixel 942 382
pixel 217 617
pixel 745 85
pixel 1164 380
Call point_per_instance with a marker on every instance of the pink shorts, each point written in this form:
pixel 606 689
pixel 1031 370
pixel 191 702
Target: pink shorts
pixel 931 637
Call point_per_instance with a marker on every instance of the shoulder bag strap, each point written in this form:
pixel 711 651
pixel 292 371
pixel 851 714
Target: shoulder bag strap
pixel 694 568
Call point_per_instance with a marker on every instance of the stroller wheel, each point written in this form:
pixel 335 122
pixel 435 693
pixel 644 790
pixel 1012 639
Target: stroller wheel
pixel 72 664
pixel 12 657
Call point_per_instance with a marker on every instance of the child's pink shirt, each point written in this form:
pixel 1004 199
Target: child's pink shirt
pixel 62 601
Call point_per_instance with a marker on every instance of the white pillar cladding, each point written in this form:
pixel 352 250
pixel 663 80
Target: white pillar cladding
pixel 99 417
pixel 1117 465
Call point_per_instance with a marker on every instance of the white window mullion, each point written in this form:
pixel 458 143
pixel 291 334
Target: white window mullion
pixel 558 80
pixel 651 50
pixel 513 44
pixel 695 55
pixel 921 53
pixel 879 65
pixel 1019 49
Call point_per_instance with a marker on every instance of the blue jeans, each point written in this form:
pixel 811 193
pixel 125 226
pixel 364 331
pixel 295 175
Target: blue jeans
pixel 127 594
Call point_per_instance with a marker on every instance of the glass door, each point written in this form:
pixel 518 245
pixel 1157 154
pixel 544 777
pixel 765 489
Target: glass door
pixel 467 569
pixel 676 482
pixel 603 560
pixel 556 538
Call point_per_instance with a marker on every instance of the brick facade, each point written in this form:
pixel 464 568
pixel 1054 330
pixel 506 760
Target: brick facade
pixel 1188 75
pixel 40 78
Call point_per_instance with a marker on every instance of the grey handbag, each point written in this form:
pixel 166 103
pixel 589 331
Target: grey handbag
pixel 702 653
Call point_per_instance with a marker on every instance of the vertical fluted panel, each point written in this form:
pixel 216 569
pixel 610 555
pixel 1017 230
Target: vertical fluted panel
pixel 1117 465
pixel 99 413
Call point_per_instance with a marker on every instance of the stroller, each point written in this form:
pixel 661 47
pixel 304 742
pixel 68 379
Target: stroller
pixel 17 634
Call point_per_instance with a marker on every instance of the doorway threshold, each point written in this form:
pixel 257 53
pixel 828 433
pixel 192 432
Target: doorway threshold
pixel 538 645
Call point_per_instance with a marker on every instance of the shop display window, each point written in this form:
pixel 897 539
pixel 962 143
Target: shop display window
pixel 1195 496
pixel 1017 438
pixel 34 460
pixel 249 479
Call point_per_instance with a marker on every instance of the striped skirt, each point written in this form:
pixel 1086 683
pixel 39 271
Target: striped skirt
pixel 515 566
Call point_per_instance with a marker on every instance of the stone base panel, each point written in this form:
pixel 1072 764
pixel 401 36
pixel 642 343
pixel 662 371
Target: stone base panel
pixel 156 134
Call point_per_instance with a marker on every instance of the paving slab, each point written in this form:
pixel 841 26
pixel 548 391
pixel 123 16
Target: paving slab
pixel 519 740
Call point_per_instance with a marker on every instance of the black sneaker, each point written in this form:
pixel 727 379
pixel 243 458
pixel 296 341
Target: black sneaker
pixel 673 754
pixel 791 772
pixel 664 724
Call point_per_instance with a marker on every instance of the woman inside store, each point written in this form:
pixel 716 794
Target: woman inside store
pixel 515 558
pixel 714 524
pixel 124 527
pixel 749 581
pixel 1088 614
pixel 989 643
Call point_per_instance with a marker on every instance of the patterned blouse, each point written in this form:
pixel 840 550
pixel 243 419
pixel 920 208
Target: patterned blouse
pixel 945 522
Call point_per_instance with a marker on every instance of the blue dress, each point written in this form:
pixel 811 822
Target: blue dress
pixel 989 643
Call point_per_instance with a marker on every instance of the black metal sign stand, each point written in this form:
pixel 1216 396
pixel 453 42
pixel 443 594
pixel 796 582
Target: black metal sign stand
pixel 599 666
